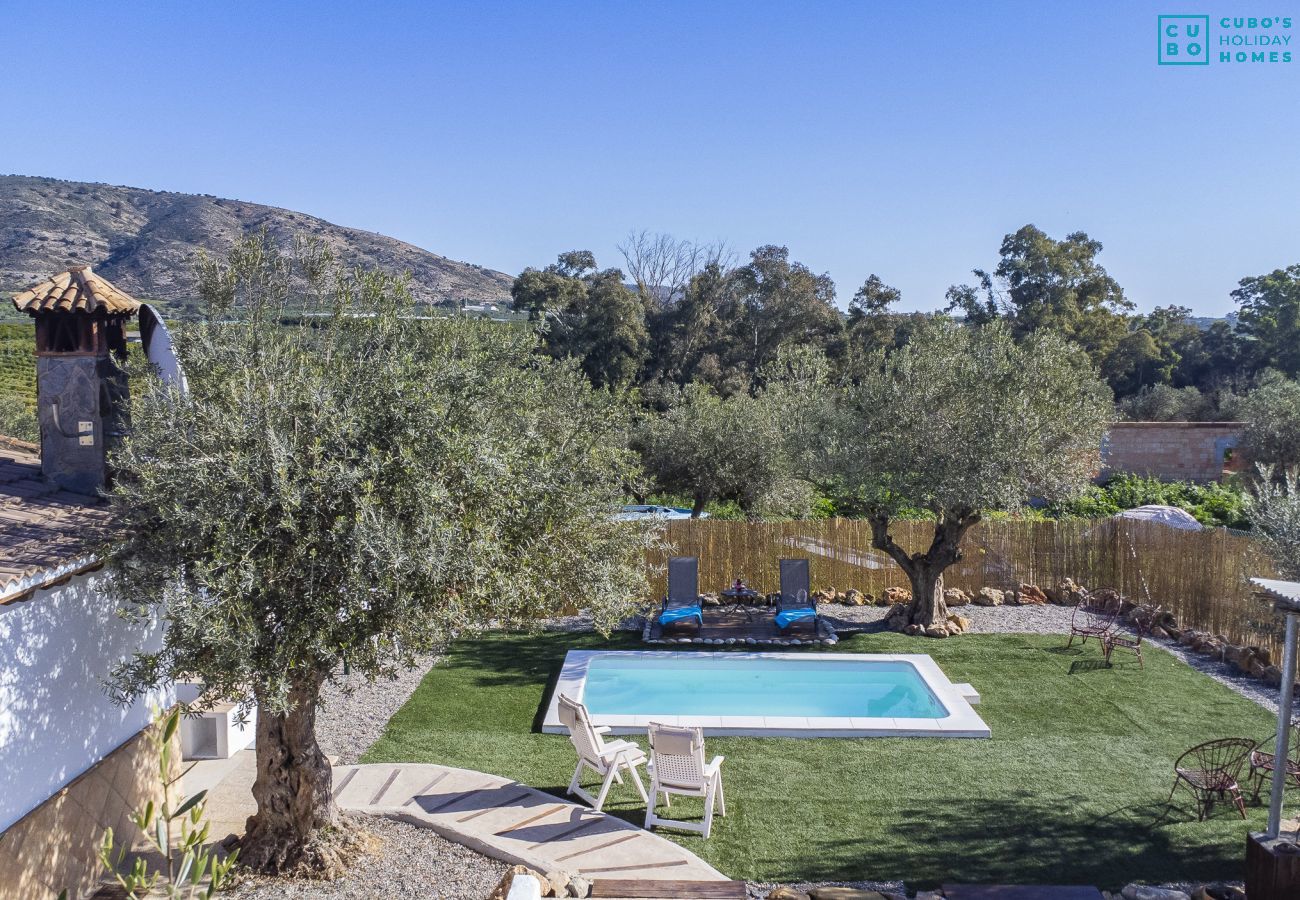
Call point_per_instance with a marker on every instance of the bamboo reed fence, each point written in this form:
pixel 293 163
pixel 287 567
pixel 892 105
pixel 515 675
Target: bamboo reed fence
pixel 1201 577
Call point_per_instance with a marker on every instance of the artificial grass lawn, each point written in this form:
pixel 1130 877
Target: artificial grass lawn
pixel 1070 788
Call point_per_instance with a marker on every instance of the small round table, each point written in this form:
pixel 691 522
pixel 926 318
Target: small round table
pixel 742 599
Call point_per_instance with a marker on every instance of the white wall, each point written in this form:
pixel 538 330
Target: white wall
pixel 55 719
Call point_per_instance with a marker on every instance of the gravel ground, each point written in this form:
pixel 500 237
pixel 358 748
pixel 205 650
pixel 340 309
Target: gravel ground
pixel 1045 619
pixel 354 711
pixel 409 862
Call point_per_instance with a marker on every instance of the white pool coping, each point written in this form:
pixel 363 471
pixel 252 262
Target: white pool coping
pixel 961 722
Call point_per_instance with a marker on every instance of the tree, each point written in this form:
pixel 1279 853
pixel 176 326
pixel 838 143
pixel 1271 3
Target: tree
pixel 872 323
pixel 1045 284
pixel 711 448
pixel 782 303
pixel 959 421
pixel 661 266
pixel 586 314
pixel 1273 505
pixel 1272 414
pixel 1270 314
pixel 355 490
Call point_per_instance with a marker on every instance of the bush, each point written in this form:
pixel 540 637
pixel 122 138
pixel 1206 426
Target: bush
pixel 1211 504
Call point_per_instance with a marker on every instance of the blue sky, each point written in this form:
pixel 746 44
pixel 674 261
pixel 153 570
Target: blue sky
pixel 899 138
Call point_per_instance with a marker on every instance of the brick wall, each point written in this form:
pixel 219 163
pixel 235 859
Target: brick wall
pixel 1173 451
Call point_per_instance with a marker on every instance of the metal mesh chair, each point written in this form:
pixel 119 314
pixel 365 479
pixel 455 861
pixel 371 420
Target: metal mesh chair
pixel 677 766
pixel 1092 619
pixel 1261 761
pixel 1211 772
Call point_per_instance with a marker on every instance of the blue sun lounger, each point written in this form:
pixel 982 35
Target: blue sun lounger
pixel 795 605
pixel 682 604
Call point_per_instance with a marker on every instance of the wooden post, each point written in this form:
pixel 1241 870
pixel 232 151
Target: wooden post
pixel 1272 868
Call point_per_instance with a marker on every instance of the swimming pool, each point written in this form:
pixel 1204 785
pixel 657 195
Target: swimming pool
pixel 768 694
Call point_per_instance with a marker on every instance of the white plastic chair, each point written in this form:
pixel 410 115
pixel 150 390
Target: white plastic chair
pixel 603 758
pixel 677 767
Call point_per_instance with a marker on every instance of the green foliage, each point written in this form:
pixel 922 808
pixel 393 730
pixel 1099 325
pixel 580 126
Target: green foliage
pixel 586 314
pixel 1274 504
pixel 714 449
pixel 948 810
pixel 358 489
pixel 1272 415
pixel 18 382
pixel 1045 284
pixel 1212 504
pixel 179 836
pixel 1270 314
pixel 962 420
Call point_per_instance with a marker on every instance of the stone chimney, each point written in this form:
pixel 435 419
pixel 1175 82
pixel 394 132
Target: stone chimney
pixel 80 390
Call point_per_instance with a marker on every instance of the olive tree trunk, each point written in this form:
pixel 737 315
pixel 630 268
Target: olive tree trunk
pixel 925 570
pixel 293 790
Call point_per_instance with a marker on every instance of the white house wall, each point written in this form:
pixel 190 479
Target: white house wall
pixel 55 719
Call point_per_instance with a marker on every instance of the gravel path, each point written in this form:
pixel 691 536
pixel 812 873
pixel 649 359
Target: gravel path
pixel 411 863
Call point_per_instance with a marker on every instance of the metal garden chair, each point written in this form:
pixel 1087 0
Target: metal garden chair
pixel 1211 771
pixel 1262 761
pixel 1093 619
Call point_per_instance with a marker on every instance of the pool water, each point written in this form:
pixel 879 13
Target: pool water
pixel 745 685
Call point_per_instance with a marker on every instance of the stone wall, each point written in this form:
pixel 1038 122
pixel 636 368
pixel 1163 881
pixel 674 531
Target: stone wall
pixel 1173 451
pixel 54 846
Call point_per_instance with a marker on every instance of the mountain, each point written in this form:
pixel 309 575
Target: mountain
pixel 145 241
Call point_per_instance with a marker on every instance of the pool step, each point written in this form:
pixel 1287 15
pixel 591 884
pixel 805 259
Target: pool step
pixel 968 693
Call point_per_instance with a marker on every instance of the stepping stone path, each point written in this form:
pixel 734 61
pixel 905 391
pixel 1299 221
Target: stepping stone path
pixel 514 823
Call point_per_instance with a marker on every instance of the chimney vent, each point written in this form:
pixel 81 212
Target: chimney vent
pixel 80 390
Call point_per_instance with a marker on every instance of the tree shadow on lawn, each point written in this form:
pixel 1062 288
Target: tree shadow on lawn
pixel 1022 838
pixel 525 659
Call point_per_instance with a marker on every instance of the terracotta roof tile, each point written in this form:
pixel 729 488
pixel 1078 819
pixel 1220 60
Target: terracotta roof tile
pixel 43 530
pixel 77 290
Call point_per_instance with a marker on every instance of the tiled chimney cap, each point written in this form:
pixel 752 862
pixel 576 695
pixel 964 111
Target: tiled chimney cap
pixel 77 290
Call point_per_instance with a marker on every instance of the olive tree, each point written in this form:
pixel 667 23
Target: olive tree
pixel 354 489
pixel 711 448
pixel 1274 507
pixel 959 421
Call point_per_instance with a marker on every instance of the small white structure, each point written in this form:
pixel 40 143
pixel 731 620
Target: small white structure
pixel 1163 515
pixel 215 733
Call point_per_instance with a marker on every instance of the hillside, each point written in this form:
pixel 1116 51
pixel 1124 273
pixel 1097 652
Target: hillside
pixel 144 241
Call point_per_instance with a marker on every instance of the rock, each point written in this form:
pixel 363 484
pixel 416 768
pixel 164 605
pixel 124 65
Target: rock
pixel 958 624
pixel 504 886
pixel 579 886
pixel 879 600
pixel 937 630
pixel 1031 595
pixel 956 597
pixel 525 887
pixel 853 597
pixel 988 596
pixel 898 595
pixel 785 892
pixel 1066 593
pixel 709 600
pixel 1144 892
pixel 559 882
pixel 912 629
pixel 1108 599
pixel 750 641
pixel 1273 675
pixel 842 893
